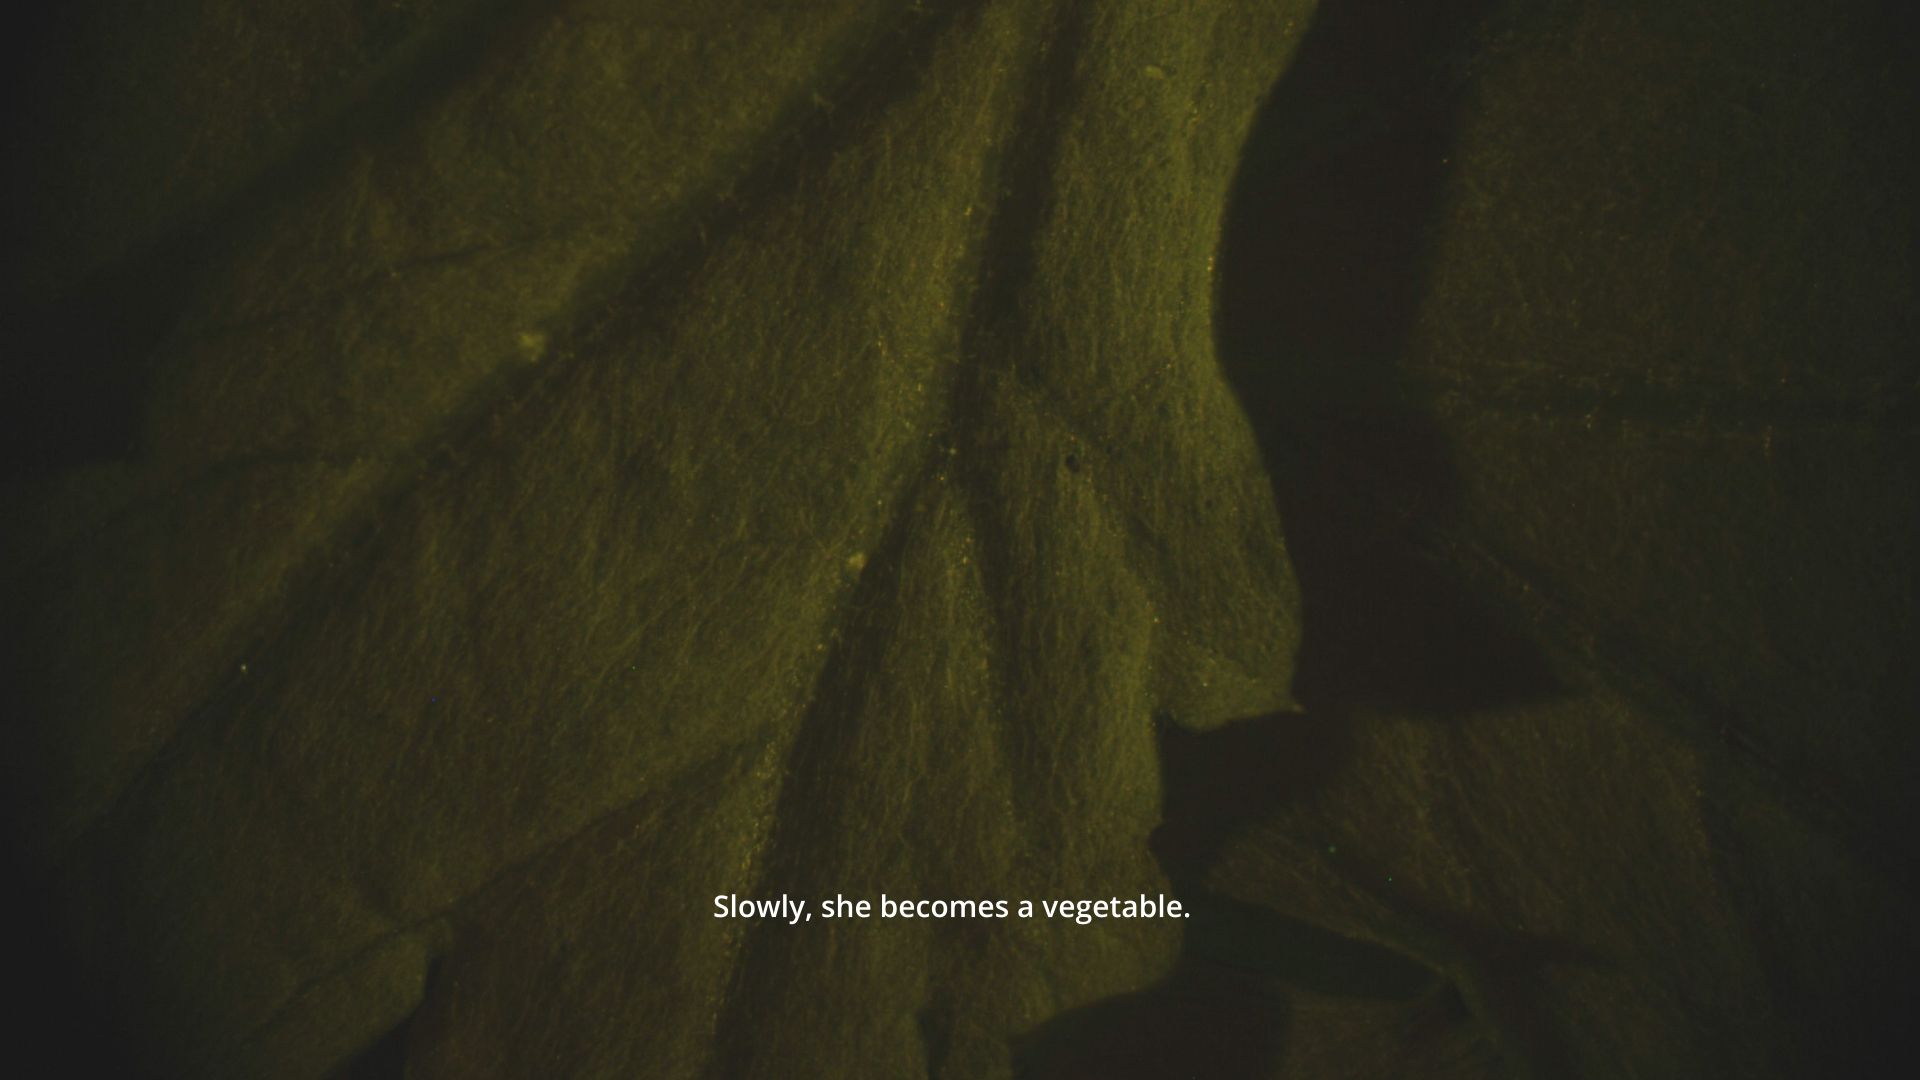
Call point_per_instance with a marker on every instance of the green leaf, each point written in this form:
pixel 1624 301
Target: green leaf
pixel 579 498
pixel 503 475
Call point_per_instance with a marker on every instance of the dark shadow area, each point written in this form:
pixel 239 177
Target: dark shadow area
pixel 1499 968
pixel 1852 1014
pixel 1200 1021
pixel 1222 1012
pixel 77 398
pixel 385 1058
pixel 1323 261
pixel 77 384
pixel 1214 785
pixel 1236 935
pixel 63 397
pixel 57 1024
pixel 1217 784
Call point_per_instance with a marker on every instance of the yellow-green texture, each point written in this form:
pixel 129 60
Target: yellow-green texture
pixel 489 476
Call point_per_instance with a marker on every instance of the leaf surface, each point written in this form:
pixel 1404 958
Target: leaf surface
pixel 507 474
